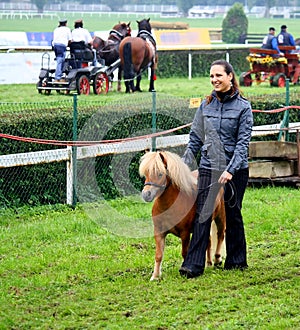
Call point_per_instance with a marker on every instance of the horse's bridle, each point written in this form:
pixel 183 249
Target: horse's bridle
pixel 164 186
pixel 160 186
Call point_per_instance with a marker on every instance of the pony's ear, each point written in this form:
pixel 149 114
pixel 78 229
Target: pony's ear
pixel 148 20
pixel 138 22
pixel 128 24
pixel 162 157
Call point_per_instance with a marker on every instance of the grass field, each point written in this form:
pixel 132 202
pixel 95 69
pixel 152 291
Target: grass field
pixel 106 22
pixel 180 87
pixel 60 270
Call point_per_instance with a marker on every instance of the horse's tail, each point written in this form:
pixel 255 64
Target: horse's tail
pixel 128 67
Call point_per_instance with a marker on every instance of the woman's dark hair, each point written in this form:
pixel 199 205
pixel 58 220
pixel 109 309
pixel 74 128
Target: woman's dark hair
pixel 228 69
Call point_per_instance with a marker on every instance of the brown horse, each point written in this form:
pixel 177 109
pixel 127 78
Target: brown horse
pixel 137 54
pixel 108 50
pixel 173 187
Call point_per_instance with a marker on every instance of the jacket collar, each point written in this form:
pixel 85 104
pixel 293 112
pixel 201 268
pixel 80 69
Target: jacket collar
pixel 226 98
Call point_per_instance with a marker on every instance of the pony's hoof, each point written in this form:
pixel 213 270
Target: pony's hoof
pixel 218 261
pixel 218 264
pixel 152 90
pixel 155 278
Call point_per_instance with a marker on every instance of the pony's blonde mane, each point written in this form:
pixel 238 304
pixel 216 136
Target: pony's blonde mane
pixel 175 168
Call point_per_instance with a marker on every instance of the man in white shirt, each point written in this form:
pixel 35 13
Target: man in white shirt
pixel 81 34
pixel 61 39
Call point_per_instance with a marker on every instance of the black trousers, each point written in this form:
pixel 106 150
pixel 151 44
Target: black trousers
pixel 208 188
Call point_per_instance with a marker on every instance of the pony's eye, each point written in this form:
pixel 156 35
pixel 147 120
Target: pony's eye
pixel 160 175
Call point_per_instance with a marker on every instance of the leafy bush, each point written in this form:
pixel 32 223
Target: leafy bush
pixel 234 24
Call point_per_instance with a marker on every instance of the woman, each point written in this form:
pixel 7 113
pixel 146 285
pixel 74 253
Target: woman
pixel 221 132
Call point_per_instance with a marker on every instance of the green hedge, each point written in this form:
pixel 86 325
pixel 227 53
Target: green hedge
pixel 174 64
pixel 46 184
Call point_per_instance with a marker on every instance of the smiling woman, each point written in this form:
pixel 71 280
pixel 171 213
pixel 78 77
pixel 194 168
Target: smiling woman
pixel 221 132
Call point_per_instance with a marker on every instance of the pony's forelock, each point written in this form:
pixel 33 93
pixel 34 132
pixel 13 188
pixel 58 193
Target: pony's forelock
pixel 152 164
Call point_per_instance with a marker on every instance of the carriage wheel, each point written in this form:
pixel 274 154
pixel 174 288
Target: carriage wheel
pixel 43 83
pixel 101 83
pixel 245 79
pixel 83 85
pixel 278 80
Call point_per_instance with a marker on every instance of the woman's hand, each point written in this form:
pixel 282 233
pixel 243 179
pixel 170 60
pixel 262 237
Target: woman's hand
pixel 225 176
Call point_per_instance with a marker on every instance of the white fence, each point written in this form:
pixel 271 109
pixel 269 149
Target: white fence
pixel 69 154
pixel 66 154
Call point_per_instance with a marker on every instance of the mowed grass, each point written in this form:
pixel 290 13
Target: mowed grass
pixel 60 269
pixel 178 87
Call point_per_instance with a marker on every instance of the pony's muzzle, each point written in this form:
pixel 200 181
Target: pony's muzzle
pixel 147 195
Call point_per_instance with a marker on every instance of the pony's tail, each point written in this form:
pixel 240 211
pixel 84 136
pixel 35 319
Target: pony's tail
pixel 128 67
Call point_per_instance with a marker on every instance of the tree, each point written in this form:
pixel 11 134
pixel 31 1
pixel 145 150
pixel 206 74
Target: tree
pixel 268 4
pixel 235 24
pixel 116 6
pixel 40 4
pixel 185 5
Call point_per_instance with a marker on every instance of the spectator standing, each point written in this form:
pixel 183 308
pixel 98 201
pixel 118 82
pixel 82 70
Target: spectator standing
pixel 61 39
pixel 270 41
pixel 284 38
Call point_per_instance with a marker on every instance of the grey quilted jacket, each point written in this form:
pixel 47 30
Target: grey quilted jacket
pixel 221 132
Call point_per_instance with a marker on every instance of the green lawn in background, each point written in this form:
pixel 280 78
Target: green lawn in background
pixel 179 87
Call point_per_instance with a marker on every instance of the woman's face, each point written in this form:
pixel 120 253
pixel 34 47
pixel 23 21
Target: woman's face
pixel 220 79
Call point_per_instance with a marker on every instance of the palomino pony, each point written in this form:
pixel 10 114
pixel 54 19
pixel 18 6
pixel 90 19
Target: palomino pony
pixel 137 54
pixel 173 187
pixel 109 50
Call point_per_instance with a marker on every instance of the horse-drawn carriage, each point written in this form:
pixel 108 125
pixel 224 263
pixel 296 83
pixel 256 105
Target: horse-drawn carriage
pixel 266 65
pixel 85 67
pixel 74 78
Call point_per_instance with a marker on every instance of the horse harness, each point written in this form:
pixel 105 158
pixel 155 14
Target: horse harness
pixel 150 41
pixel 116 35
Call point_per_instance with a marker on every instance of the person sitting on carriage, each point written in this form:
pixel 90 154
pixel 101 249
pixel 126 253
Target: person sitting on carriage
pixel 61 40
pixel 270 42
pixel 284 38
pixel 82 35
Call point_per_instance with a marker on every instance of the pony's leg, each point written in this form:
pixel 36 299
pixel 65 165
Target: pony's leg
pixel 208 253
pixel 219 217
pixel 221 228
pixel 159 252
pixel 185 242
